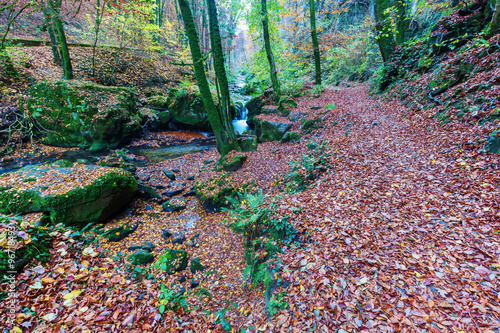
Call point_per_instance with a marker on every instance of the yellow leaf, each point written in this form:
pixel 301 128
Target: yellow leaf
pixel 72 294
pixel 47 280
pixel 17 329
pixel 431 303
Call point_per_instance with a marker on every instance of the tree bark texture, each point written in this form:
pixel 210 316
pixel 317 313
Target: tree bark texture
pixel 220 72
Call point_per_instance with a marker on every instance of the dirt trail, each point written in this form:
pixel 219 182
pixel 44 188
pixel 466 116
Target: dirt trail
pixel 405 232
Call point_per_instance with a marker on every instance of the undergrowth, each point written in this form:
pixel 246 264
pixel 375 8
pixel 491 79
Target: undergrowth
pixel 303 173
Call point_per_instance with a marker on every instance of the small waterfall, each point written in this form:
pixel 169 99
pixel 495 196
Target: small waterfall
pixel 240 122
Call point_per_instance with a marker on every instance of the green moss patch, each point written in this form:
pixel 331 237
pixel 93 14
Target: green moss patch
pixel 83 114
pixel 76 195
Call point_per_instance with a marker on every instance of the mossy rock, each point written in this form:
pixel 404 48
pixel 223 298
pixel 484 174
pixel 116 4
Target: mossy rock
pixel 215 190
pixel 174 205
pixel 148 192
pixel 271 130
pixel 248 143
pixel 196 266
pixel 173 261
pixel 254 108
pixel 232 161
pixel 187 108
pixel 291 137
pixel 73 196
pixel 150 118
pixel 121 232
pixel 83 114
pixel 140 257
pixel 308 125
pixel 158 102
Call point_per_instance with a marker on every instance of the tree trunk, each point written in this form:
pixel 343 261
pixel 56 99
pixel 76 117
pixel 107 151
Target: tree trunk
pixel 98 19
pixel 314 35
pixel 222 137
pixel 385 36
pixel 50 29
pixel 220 72
pixel 494 25
pixel 269 51
pixel 55 6
pixel 402 22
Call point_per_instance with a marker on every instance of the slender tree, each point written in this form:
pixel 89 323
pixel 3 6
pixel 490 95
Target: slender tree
pixel 220 71
pixel 223 137
pixel 314 35
pixel 385 36
pixel 269 51
pixel 55 11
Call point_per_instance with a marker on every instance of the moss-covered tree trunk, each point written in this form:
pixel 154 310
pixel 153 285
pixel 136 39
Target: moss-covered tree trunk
pixel 269 51
pixel 385 36
pixel 401 22
pixel 222 137
pixel 314 35
pixel 494 25
pixel 49 24
pixel 220 71
pixel 55 6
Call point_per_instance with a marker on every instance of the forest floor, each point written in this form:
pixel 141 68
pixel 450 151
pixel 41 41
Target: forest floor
pixel 401 234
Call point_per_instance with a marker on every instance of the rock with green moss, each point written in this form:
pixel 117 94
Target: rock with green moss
pixel 248 143
pixel 73 196
pixel 150 118
pixel 291 137
pixel 140 257
pixel 83 114
pixel 121 232
pixel 173 261
pixel 254 108
pixel 308 125
pixel 271 130
pixel 174 205
pixel 196 266
pixel 232 161
pixel 158 102
pixel 164 117
pixel 187 108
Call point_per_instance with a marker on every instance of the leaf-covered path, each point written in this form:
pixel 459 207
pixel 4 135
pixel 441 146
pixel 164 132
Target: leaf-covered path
pixel 401 234
pixel 404 235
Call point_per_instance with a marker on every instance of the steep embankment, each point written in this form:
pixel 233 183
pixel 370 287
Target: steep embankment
pixel 452 75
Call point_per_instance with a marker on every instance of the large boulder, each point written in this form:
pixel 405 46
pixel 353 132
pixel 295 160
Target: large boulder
pixel 187 108
pixel 73 196
pixel 84 114
pixel 271 128
pixel 254 108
